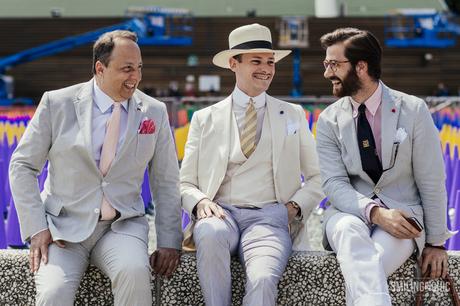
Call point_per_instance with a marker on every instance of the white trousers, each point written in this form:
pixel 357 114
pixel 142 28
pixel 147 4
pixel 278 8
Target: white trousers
pixel 366 257
pixel 123 258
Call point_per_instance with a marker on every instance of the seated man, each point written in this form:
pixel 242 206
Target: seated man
pixel 241 176
pixel 99 137
pixel 382 171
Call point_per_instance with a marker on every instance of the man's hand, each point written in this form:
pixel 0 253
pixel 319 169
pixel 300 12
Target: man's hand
pixel 436 260
pixel 164 261
pixel 292 211
pixel 207 208
pixel 393 221
pixel 39 249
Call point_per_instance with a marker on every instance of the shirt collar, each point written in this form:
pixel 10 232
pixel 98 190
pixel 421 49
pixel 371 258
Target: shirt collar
pixel 103 101
pixel 242 100
pixel 372 103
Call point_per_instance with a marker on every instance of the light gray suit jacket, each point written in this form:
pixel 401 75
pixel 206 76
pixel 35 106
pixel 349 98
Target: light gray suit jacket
pixel 60 132
pixel 293 150
pixel 413 179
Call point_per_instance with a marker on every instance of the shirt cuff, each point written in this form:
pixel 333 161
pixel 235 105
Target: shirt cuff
pixel 368 211
pixel 38 233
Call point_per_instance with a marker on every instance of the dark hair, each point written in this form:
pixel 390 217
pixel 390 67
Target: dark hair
pixel 103 47
pixel 238 57
pixel 360 45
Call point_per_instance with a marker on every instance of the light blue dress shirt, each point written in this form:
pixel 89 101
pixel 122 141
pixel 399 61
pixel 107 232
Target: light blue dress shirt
pixel 101 112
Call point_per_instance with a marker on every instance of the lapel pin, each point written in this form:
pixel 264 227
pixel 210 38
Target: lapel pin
pixel 393 110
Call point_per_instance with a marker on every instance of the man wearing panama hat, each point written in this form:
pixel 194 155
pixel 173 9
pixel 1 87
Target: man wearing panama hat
pixel 241 176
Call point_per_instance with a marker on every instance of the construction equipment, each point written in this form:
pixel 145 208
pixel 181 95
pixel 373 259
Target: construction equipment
pixel 423 28
pixel 154 26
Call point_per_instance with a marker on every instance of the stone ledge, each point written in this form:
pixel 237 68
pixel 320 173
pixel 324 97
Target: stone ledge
pixel 311 278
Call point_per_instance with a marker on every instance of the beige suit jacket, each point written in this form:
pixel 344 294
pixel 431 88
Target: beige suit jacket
pixel 293 150
pixel 60 132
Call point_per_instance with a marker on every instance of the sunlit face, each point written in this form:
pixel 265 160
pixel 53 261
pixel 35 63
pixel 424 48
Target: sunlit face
pixel 120 78
pixel 254 73
pixel 342 74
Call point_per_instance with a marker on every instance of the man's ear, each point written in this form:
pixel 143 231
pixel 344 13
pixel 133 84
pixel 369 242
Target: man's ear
pixel 361 68
pixel 232 63
pixel 99 68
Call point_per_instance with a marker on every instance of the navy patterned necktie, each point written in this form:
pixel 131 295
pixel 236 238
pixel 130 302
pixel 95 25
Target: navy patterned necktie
pixel 367 149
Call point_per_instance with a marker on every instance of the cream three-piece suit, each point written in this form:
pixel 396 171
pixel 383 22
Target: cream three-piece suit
pixel 215 168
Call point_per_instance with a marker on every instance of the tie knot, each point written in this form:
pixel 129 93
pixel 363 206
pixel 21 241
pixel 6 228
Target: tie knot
pixel 116 105
pixel 362 109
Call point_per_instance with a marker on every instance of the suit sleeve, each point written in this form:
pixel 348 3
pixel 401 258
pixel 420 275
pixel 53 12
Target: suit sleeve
pixel 310 194
pixel 164 183
pixel 335 181
pixel 26 164
pixel 428 169
pixel 190 192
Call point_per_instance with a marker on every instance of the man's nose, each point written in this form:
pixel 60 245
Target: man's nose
pixel 328 72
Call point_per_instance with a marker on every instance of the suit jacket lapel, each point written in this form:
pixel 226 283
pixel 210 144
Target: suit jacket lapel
pixel 390 114
pixel 277 117
pixel 135 111
pixel 347 128
pixel 218 141
pixel 83 109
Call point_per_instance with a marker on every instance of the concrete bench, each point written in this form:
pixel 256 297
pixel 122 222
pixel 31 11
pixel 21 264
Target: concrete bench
pixel 311 278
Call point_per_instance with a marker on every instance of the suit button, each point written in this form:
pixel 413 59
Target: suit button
pixel 97 211
pixel 104 184
pixel 376 190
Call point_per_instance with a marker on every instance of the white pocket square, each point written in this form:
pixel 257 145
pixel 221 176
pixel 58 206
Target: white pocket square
pixel 400 135
pixel 292 128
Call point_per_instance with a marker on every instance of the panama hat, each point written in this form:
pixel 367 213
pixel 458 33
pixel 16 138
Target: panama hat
pixel 252 38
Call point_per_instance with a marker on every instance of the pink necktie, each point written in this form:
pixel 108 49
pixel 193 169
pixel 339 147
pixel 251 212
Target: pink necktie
pixel 109 148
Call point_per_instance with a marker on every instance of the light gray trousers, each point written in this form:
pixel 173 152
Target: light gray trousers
pixel 123 258
pixel 261 239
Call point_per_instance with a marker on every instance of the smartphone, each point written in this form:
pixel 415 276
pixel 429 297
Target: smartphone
pixel 414 222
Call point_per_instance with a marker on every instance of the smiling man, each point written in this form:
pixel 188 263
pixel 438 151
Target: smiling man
pixel 99 137
pixel 241 176
pixel 382 171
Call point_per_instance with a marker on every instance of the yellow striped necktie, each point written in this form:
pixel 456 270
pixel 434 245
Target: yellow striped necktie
pixel 248 136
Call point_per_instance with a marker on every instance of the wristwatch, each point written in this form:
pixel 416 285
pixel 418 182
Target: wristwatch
pixel 441 247
pixel 296 206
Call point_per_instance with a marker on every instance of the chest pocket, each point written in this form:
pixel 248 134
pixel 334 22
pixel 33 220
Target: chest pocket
pixel 145 146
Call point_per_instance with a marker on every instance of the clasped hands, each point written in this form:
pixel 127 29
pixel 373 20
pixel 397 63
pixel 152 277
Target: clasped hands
pixel 394 222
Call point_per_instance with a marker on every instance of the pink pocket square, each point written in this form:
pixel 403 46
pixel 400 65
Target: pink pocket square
pixel 147 126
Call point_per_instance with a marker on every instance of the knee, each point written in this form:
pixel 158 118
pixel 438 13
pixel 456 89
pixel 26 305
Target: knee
pixel 210 232
pixel 347 224
pixel 133 275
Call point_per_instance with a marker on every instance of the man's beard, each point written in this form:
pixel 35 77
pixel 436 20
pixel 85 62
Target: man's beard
pixel 349 86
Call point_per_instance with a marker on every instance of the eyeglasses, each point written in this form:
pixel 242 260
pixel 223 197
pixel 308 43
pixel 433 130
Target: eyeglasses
pixel 334 65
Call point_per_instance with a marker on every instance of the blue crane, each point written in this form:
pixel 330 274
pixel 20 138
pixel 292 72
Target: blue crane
pixel 154 26
pixel 424 28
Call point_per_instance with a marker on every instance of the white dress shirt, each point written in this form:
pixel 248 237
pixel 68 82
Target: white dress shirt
pixel 240 102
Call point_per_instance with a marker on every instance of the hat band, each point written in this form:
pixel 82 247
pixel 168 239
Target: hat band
pixel 254 44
